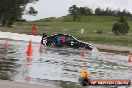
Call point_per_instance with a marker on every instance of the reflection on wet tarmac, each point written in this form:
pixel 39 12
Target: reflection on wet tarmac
pixel 8 64
pixel 59 67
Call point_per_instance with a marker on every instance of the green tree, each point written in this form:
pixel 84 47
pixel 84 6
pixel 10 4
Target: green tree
pixel 85 11
pixel 11 10
pixel 121 27
pixel 74 11
pixel 98 11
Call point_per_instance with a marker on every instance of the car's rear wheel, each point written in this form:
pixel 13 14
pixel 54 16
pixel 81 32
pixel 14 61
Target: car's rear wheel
pixel 52 44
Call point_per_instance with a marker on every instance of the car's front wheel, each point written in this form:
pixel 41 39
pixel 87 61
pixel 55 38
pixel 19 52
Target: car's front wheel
pixel 81 47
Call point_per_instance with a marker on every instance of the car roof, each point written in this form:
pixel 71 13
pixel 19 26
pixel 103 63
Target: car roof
pixel 62 34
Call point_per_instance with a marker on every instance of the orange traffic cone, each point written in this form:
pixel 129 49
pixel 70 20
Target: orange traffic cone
pixel 6 44
pixel 129 58
pixel 29 50
pixel 34 29
pixel 86 74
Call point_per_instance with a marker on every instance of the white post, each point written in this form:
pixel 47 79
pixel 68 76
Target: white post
pixel 82 31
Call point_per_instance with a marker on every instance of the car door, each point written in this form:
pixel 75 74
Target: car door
pixel 71 41
pixel 60 40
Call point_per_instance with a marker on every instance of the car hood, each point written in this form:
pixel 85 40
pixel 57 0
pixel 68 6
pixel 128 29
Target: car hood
pixel 86 43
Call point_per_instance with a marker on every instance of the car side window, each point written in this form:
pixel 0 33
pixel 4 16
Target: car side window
pixel 60 39
pixel 51 38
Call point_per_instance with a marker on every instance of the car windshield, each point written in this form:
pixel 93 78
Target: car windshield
pixel 70 38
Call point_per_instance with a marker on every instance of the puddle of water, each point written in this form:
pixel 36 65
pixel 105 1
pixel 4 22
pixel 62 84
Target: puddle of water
pixel 59 67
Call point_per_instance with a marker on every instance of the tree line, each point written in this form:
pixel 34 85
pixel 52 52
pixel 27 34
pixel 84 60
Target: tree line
pixel 121 27
pixel 12 10
pixel 86 11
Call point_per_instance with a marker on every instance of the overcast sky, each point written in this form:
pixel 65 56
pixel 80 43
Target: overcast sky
pixel 57 8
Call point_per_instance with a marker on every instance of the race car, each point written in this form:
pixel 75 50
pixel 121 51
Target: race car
pixel 64 40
